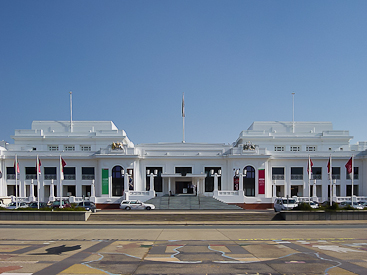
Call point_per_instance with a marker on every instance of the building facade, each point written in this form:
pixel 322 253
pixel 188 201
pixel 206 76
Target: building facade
pixel 97 161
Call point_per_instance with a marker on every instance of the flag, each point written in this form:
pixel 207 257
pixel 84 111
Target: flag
pixel 16 167
pixel 309 166
pixel 38 166
pixel 349 166
pixel 62 165
pixel 183 105
pixel 328 165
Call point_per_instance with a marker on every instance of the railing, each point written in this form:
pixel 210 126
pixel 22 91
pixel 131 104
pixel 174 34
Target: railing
pixel 228 193
pixel 50 176
pixel 297 177
pixel 88 177
pixel 69 177
pixel 10 176
pixel 278 177
pixel 31 176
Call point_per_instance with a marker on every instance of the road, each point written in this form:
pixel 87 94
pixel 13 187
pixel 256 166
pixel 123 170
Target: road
pixel 180 249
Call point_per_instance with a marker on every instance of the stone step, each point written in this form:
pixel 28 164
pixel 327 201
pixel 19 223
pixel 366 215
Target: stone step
pixel 185 202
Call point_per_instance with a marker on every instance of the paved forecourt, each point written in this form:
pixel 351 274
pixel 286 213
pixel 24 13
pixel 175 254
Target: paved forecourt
pixel 114 248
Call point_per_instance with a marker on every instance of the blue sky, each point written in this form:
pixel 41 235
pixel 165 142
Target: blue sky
pixel 236 62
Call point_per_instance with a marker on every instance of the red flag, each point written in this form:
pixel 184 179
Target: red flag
pixel 17 167
pixel 328 166
pixel 39 166
pixel 63 163
pixel 349 165
pixel 309 170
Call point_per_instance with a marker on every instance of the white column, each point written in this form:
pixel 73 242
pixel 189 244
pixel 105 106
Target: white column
pixel 31 192
pixel 93 189
pixel 274 189
pixel 215 182
pixel 240 182
pixel 334 191
pixel 169 186
pixel 197 186
pixel 126 182
pixel 151 182
pixel 314 190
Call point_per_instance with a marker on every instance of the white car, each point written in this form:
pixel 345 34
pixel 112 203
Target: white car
pixel 13 205
pixel 135 205
pixel 355 205
pixel 313 204
pixel 281 204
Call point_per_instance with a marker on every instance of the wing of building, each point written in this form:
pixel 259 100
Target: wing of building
pixel 96 160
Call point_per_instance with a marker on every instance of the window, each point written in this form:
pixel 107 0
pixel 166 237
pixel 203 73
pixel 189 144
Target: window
pixel 53 147
pixel 50 173
pixel 349 190
pixel 316 173
pixel 310 148
pixel 336 173
pixel 85 148
pixel 279 148
pixel 69 148
pixel 278 173
pixel 209 179
pixel 30 173
pixel 10 173
pixel 87 173
pixel 69 173
pixel 295 148
pixel 296 173
pixel 183 170
pixel 249 181
pixel 356 170
pixel 158 187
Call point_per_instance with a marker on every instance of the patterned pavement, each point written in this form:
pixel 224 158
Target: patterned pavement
pixel 242 256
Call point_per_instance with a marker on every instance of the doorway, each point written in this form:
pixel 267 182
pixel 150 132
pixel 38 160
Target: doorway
pixel 184 187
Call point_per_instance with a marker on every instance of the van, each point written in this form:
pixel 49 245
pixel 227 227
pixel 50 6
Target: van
pixel 281 204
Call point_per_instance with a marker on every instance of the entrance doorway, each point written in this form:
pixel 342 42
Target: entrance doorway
pixel 184 187
pixel 117 181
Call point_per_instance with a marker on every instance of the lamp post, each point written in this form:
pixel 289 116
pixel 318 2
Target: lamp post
pixel 151 175
pixel 240 174
pixel 216 175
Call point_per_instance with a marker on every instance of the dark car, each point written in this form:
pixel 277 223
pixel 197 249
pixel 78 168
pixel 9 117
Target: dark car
pixel 34 204
pixel 64 204
pixel 87 205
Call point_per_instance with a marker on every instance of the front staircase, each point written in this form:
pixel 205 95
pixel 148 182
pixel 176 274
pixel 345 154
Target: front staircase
pixel 187 202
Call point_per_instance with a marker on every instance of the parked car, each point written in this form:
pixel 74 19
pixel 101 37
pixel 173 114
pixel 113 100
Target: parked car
pixel 13 205
pixel 313 204
pixel 34 204
pixel 87 205
pixel 281 204
pixel 64 204
pixel 2 204
pixel 355 205
pixel 135 205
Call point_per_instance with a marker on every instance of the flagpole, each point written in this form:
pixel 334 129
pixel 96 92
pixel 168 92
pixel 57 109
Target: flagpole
pixel 183 117
pixel 16 180
pixel 352 178
pixel 38 184
pixel 309 176
pixel 331 182
pixel 71 112
pixel 60 183
pixel 293 112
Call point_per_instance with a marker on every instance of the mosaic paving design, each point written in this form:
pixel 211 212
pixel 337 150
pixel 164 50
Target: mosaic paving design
pixel 244 256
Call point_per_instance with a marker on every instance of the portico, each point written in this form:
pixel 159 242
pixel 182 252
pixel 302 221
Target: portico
pixel 184 184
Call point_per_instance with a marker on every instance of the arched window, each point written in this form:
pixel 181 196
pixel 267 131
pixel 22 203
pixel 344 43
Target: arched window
pixel 117 181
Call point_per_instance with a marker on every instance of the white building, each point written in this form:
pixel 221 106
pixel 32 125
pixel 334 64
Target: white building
pixel 268 159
